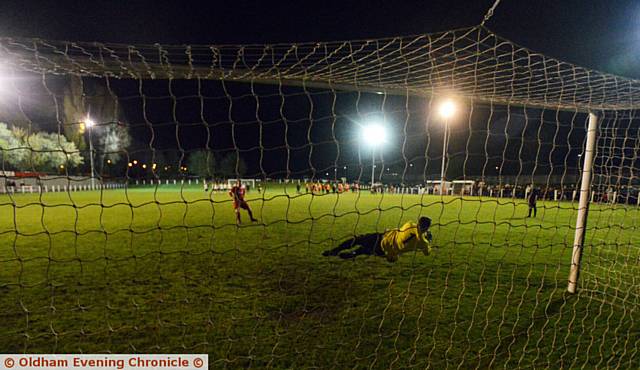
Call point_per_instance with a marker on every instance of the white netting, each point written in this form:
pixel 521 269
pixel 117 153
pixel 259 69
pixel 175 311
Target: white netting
pixel 473 63
pixel 149 258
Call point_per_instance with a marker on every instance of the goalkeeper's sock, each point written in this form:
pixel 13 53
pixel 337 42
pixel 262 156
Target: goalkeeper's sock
pixel 347 255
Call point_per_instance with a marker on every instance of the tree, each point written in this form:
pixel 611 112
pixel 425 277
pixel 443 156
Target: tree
pixel 202 163
pixel 168 163
pixel 232 165
pixel 40 151
pixel 10 151
pixel 86 97
pixel 112 141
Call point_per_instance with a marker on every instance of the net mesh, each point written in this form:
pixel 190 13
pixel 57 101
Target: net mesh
pixel 149 258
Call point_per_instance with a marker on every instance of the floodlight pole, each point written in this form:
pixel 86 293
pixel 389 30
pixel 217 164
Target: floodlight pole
pixel 93 180
pixel 445 143
pixel 583 204
pixel 373 166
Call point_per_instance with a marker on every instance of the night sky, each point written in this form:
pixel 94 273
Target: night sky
pixel 603 35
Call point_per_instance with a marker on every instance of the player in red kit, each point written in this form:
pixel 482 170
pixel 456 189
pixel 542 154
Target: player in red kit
pixel 237 193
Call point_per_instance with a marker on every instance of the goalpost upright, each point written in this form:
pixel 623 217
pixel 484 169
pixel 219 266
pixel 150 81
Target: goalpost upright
pixel 583 205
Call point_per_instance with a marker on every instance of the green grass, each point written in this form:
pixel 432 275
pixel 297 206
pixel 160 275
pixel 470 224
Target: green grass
pixel 166 270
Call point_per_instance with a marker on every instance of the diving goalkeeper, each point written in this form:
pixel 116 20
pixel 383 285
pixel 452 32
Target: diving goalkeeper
pixel 390 244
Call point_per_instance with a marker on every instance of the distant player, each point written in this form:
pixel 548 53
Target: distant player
pixel 532 200
pixel 410 237
pixel 237 193
pixel 205 185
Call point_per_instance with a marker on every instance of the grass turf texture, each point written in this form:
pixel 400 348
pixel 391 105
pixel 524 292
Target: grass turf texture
pixel 166 270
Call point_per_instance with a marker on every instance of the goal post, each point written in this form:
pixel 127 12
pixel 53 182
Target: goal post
pixel 251 183
pixel 583 205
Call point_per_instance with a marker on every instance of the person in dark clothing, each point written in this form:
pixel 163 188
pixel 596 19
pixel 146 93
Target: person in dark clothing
pixel 532 200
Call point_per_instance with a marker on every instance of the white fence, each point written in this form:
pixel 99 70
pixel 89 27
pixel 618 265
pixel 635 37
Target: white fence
pixel 47 184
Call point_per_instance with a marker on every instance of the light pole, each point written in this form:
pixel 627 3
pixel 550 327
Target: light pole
pixel 89 124
pixel 374 134
pixel 446 111
pixel 373 166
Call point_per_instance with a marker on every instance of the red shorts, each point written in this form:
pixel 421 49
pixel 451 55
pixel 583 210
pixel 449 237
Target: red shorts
pixel 240 204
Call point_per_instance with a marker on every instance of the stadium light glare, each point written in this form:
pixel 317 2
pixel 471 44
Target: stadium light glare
pixel 374 134
pixel 5 80
pixel 447 109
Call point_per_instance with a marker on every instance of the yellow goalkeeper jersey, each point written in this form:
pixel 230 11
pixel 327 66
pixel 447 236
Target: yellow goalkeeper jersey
pixel 403 240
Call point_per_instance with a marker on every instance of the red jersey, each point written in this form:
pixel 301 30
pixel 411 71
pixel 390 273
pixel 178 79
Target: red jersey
pixel 237 192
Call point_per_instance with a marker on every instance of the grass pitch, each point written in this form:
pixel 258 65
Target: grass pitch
pixel 166 270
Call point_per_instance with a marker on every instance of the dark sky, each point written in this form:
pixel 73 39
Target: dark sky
pixel 594 33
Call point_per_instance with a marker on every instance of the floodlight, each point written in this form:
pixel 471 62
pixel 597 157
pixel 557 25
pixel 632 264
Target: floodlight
pixel 374 134
pixel 447 109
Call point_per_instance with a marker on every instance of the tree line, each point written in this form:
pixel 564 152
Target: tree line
pixel 36 151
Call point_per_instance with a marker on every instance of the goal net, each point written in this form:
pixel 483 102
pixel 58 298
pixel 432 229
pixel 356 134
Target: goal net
pixel 164 267
pixel 249 183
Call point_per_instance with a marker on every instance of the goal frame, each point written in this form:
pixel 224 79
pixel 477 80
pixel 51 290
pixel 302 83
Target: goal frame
pixel 250 182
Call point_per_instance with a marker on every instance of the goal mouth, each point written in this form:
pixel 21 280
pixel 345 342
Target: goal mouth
pixel 244 182
pixel 529 175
